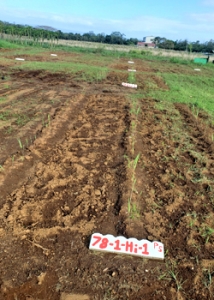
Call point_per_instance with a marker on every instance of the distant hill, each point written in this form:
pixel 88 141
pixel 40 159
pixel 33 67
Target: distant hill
pixel 49 28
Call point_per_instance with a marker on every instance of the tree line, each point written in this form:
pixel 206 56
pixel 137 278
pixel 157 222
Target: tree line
pixel 184 45
pixel 33 35
pixel 39 34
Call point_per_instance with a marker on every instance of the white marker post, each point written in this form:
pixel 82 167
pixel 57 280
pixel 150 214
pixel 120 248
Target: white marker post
pixel 53 54
pixel 19 58
pixel 130 62
pixel 132 246
pixel 131 70
pixel 131 85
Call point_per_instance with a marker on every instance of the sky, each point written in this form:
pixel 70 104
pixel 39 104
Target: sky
pixel 173 19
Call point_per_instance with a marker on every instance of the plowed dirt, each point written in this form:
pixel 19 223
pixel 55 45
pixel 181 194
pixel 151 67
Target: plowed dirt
pixel 64 175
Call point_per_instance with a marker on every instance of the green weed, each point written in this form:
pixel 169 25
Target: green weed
pixel 207 278
pixel 9 130
pixel 22 120
pixel 179 282
pixel 206 233
pixel 195 110
pixel 4 116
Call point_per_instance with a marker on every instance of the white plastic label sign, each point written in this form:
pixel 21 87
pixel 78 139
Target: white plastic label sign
pixel 131 70
pixel 131 246
pixel 134 86
pixel 53 54
pixel 20 58
pixel 130 62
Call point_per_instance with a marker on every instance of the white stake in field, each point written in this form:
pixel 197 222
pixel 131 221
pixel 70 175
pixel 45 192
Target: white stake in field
pixel 131 85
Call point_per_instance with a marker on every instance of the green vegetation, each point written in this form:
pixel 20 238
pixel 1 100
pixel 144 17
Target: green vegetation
pixel 7 45
pixel 82 71
pixel 207 232
pixel 2 99
pixel 4 116
pixel 194 90
pixel 20 119
pixel 131 78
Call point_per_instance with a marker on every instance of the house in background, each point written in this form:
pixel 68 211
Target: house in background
pixel 148 42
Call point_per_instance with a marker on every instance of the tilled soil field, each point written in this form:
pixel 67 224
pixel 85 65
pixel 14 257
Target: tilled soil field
pixel 65 153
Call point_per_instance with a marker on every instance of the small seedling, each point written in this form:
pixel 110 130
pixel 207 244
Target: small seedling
pixel 13 158
pixel 133 210
pixel 178 282
pixel 20 143
pixel 21 146
pixel 49 120
pixel 136 161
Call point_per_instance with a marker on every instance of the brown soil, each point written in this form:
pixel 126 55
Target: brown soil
pixel 71 178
